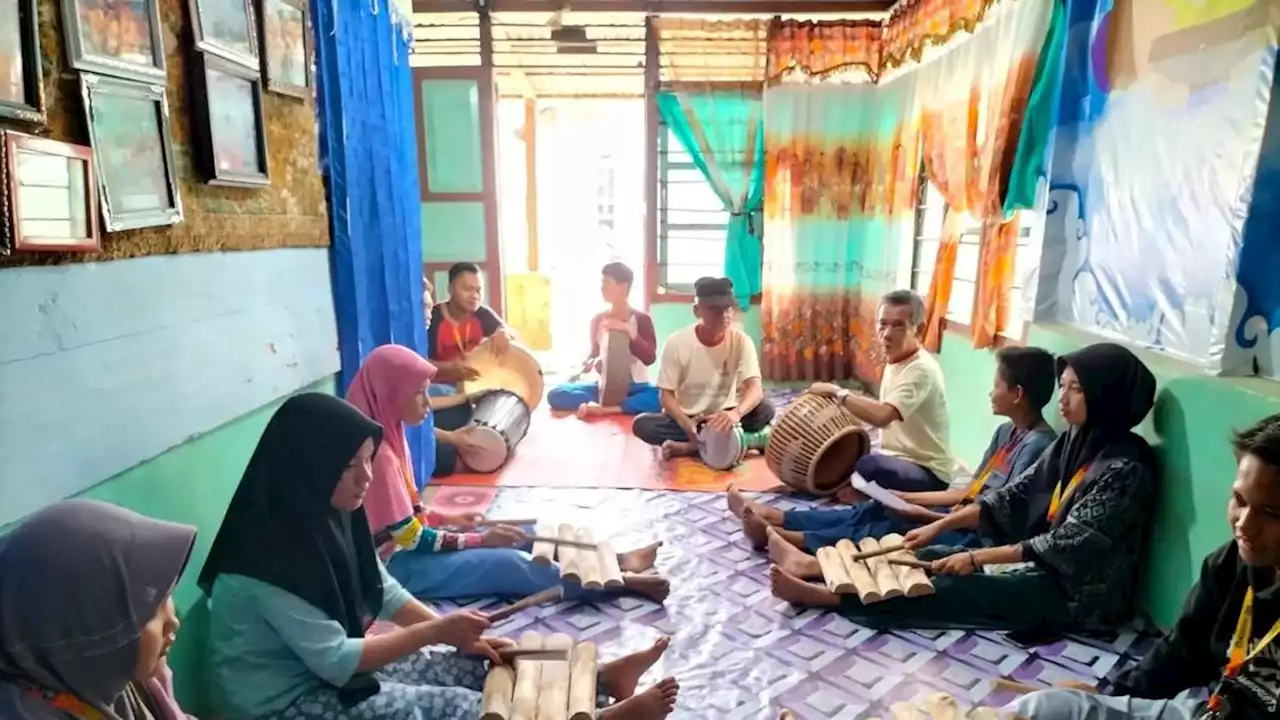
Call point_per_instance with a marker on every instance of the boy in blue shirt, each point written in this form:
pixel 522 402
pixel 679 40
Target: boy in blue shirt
pixel 1024 382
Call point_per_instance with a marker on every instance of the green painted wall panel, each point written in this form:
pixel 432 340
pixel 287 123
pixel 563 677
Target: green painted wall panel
pixel 453 231
pixel 451 116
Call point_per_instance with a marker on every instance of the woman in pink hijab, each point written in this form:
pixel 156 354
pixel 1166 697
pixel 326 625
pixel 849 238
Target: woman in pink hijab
pixel 431 562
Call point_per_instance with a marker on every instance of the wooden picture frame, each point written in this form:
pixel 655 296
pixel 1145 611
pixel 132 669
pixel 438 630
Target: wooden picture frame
pixel 102 47
pixel 230 124
pixel 133 150
pixel 20 46
pixel 51 196
pixel 285 31
pixel 217 29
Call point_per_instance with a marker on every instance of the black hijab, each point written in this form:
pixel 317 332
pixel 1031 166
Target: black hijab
pixel 282 528
pixel 1119 391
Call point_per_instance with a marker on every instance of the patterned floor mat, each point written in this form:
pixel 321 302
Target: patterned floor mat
pixel 739 653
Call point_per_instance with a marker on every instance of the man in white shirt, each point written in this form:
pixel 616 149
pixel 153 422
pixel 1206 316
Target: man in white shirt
pixel 911 413
pixel 709 373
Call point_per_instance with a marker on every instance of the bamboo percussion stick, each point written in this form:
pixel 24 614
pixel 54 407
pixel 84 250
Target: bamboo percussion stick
pixel 549 595
pixel 553 693
pixel 582 682
pixel 524 698
pixel 884 550
pixel 533 654
pixel 918 564
pixel 1013 686
pixel 610 573
pixel 517 522
pixel 499 691
pixel 553 540
pixel 544 553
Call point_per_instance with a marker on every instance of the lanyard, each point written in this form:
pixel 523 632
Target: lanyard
pixel 1240 652
pixel 461 340
pixel 999 459
pixel 1060 496
pixel 407 474
pixel 65 702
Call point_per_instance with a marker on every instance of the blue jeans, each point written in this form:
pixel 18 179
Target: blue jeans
pixel 894 473
pixel 866 519
pixel 482 572
pixel 641 397
pixel 1058 704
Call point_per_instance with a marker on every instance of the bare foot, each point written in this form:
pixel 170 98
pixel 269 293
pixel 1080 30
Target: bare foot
pixel 674 449
pixel 786 586
pixel 791 558
pixel 621 676
pixel 585 410
pixel 639 560
pixel 652 704
pixel 787 715
pixel 755 529
pixel 653 587
pixel 737 502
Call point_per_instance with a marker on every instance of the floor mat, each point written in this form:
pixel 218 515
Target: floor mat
pixel 739 653
pixel 563 451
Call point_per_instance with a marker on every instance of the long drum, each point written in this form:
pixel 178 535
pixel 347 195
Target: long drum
pixel 499 422
pixel 814 445
pixel 725 450
pixel 517 371
pixel 615 370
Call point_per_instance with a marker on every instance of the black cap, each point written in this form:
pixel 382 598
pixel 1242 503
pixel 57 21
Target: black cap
pixel 714 292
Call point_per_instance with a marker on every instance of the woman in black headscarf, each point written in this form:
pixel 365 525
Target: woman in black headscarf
pixel 294 584
pixel 1063 543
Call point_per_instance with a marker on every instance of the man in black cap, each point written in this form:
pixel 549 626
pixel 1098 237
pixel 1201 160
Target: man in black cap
pixel 709 373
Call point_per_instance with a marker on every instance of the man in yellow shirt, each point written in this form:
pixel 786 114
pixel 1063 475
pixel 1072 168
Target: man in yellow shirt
pixel 911 412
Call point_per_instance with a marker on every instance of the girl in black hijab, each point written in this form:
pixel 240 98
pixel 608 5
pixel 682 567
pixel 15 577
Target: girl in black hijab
pixel 1063 543
pixel 294 585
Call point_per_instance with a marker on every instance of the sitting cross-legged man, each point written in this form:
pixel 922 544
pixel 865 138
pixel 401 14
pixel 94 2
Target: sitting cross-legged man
pixel 709 373
pixel 1023 384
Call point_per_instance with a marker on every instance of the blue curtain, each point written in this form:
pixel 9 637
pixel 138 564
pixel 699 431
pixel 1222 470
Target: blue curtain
pixel 369 159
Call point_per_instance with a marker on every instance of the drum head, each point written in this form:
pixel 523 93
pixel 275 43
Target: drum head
pixel 491 453
pixel 720 450
pixel 516 371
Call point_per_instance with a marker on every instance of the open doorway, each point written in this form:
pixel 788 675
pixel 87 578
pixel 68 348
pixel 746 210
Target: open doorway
pixel 588 170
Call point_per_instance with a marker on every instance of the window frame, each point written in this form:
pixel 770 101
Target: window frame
pixel 666 291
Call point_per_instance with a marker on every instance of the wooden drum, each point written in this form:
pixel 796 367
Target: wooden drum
pixel 615 368
pixel 517 371
pixel 814 444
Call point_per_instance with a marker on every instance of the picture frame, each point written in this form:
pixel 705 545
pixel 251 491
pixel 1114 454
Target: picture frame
pixel 227 29
pixel 21 74
pixel 132 142
pixel 285 32
pixel 50 196
pixel 230 124
pixel 115 39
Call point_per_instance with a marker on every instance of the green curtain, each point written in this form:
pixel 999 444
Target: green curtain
pixel 723 131
pixel 1035 145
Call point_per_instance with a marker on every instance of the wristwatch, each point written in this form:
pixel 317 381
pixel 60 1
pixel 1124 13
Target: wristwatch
pixel 843 395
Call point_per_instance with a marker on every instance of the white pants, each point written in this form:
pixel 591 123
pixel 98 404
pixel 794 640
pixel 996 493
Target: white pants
pixel 1075 705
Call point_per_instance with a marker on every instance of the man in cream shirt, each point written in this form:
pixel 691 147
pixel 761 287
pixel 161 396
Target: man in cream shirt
pixel 915 448
pixel 709 374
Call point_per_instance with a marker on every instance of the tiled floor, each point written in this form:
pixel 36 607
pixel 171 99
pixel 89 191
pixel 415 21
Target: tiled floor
pixel 737 651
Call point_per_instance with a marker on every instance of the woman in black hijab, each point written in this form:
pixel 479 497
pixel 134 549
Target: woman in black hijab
pixel 1063 543
pixel 294 584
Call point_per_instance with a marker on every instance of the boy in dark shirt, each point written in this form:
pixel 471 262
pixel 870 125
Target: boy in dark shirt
pixel 1226 639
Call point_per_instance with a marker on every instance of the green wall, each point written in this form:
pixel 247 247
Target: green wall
pixel 671 316
pixel 1190 427
pixel 193 484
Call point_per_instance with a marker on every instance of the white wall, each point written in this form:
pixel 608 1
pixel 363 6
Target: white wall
pixel 105 365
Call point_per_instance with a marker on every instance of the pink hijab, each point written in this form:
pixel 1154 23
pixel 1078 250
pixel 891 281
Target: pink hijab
pixel 388 378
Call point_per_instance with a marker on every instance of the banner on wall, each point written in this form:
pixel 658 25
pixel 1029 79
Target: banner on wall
pixel 1145 226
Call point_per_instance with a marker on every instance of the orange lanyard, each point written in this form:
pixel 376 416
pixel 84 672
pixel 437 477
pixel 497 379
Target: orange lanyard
pixel 1240 652
pixel 409 485
pixel 462 341
pixel 1060 495
pixel 1000 458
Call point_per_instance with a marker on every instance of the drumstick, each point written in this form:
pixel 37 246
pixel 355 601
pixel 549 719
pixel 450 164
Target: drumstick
pixel 884 550
pixel 549 595
pixel 509 654
pixel 1013 686
pixel 517 522
pixel 561 541
pixel 905 562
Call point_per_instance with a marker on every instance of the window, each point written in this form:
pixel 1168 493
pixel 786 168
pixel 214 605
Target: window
pixel 931 211
pixel 692 222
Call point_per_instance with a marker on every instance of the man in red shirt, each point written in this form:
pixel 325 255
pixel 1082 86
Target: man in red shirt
pixel 458 325
pixel 642 396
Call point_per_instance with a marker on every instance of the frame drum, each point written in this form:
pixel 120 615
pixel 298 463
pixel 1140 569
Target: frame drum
pixel 615 370
pixel 499 422
pixel 516 371
pixel 814 445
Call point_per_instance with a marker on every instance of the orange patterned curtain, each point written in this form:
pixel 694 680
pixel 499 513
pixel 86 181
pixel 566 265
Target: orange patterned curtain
pixel 818 49
pixel 972 103
pixel 917 24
